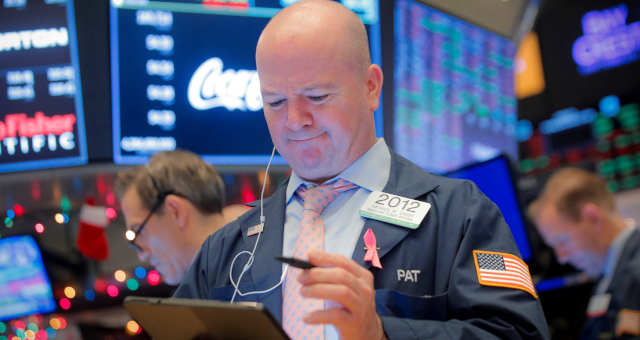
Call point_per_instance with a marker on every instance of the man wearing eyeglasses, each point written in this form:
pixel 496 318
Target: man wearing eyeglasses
pixel 170 206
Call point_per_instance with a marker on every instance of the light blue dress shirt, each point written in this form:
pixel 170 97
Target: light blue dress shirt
pixel 613 256
pixel 342 221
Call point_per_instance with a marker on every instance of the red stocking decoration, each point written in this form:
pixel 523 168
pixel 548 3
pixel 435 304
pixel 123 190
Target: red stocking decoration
pixel 92 240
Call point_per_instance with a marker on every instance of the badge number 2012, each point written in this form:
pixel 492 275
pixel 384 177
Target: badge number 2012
pixel 395 201
pixel 394 209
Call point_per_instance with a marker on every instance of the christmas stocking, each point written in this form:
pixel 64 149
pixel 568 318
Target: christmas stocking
pixel 92 240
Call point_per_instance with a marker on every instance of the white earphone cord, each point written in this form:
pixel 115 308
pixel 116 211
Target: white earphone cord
pixel 249 263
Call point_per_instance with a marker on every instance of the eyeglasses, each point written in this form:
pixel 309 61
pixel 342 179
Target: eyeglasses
pixel 132 234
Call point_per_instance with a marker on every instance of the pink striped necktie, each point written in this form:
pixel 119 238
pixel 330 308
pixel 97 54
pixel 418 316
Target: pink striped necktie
pixel 311 236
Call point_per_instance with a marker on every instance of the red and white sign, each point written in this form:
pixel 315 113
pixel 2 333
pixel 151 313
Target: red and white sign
pixel 21 134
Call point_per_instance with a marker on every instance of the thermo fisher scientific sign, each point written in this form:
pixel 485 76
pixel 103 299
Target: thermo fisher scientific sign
pixel 41 120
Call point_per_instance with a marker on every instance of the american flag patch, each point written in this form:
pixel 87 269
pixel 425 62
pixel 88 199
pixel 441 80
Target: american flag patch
pixel 503 270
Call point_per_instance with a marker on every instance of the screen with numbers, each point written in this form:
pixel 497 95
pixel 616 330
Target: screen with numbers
pixel 184 76
pixel 24 285
pixel 41 119
pixel 454 100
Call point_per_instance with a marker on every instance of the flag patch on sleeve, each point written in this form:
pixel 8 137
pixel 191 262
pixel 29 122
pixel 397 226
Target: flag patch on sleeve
pixel 503 270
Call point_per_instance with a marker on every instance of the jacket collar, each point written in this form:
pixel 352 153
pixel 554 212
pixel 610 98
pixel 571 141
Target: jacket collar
pixel 407 180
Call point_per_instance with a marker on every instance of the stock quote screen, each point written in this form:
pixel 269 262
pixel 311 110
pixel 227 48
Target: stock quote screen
pixel 454 100
pixel 591 52
pixel 184 76
pixel 24 285
pixel 41 119
pixel 605 135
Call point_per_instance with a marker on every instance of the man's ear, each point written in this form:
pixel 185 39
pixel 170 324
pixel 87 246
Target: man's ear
pixel 374 86
pixel 592 214
pixel 176 207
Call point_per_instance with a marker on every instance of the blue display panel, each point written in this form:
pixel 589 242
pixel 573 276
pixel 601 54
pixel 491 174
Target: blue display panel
pixel 24 285
pixel 41 118
pixel 590 50
pixel 495 179
pixel 184 76
pixel 454 100
pixel 609 40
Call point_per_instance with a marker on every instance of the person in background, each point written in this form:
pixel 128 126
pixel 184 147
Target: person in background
pixel 425 275
pixel 576 216
pixel 170 206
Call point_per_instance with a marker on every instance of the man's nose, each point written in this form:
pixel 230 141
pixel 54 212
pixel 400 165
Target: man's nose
pixel 143 254
pixel 298 115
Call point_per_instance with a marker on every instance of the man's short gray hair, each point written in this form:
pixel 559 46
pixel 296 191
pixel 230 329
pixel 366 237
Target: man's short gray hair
pixel 182 172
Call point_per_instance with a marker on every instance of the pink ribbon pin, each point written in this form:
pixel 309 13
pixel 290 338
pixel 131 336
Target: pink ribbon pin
pixel 372 250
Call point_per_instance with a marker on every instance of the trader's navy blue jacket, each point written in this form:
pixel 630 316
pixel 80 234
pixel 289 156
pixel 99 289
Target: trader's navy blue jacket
pixel 625 293
pixel 442 299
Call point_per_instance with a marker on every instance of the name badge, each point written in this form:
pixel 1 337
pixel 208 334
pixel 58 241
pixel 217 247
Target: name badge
pixel 256 229
pixel 598 305
pixel 395 209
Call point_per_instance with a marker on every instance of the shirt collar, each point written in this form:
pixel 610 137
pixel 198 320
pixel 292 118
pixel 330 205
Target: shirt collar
pixel 359 172
pixel 613 254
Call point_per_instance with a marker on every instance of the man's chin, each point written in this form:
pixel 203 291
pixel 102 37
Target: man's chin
pixel 592 275
pixel 592 272
pixel 316 175
pixel 168 278
pixel 315 167
pixel 309 169
pixel 171 281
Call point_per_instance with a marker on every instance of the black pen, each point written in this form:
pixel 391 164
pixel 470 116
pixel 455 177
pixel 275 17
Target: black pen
pixel 302 264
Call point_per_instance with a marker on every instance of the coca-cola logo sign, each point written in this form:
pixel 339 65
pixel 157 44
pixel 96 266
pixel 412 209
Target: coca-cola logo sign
pixel 211 86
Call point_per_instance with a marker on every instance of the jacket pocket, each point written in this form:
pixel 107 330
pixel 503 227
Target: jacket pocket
pixel 394 303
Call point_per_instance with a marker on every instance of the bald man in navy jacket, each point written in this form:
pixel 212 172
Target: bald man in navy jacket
pixel 435 280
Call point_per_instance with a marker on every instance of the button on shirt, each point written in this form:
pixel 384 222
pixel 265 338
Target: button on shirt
pixel 342 221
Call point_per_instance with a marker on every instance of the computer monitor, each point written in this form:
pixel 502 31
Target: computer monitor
pixel 184 76
pixel 41 116
pixel 496 179
pixel 453 85
pixel 24 285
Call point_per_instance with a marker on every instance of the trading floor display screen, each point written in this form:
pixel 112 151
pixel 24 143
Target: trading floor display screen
pixel 454 100
pixel 41 119
pixel 24 285
pixel 184 76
